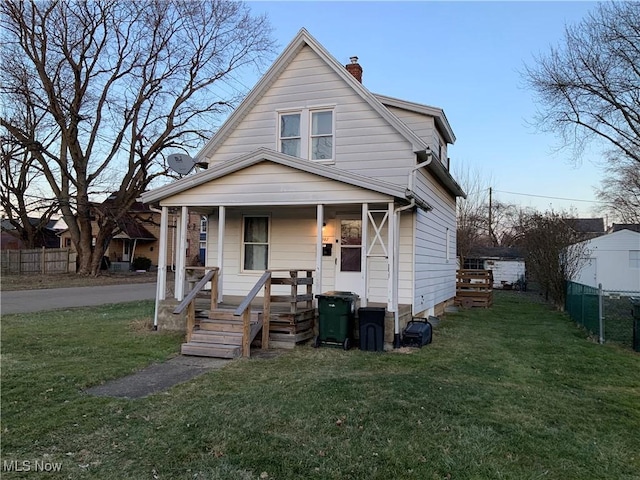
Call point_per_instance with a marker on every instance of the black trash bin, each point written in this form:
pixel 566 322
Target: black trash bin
pixel 336 314
pixel 371 328
pixel 635 312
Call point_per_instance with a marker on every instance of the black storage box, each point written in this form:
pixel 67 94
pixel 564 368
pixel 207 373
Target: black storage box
pixel 417 333
pixel 371 328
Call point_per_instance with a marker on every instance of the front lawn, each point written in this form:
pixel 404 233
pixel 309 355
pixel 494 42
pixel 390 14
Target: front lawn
pixel 514 392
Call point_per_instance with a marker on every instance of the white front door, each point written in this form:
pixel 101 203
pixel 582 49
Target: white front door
pixel 349 256
pixel 126 250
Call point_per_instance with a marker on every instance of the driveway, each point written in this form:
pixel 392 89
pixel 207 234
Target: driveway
pixel 25 301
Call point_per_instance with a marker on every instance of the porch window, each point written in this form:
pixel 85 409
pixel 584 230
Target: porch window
pixel 290 134
pixel 255 240
pixel 350 245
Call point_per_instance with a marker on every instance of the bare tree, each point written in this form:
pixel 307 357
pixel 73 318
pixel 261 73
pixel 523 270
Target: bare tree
pixel 117 85
pixel 553 252
pixel 588 88
pixel 23 203
pixel 471 211
pixel 482 222
pixel 620 191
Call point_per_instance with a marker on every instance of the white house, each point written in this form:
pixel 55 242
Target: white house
pixel 315 172
pixel 614 261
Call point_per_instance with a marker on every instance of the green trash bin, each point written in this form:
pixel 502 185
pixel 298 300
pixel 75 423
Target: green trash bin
pixel 635 312
pixel 336 314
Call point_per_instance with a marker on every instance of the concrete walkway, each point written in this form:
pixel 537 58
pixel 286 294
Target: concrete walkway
pixel 158 377
pixel 26 301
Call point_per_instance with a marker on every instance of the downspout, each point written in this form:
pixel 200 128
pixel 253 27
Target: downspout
pixel 396 244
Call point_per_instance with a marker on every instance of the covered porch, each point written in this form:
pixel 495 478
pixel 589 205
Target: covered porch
pixel 269 212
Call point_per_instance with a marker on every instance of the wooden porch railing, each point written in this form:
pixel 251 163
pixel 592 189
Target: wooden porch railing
pixel 189 301
pixel 244 310
pixel 294 280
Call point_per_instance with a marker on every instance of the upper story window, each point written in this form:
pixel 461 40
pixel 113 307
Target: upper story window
pixel 322 135
pixel 290 134
pixel 307 133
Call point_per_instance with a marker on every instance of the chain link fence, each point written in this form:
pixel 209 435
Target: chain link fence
pixel 604 313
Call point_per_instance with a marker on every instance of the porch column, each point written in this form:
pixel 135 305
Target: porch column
pixel 220 260
pixel 181 254
pixel 392 285
pixel 364 244
pixel 161 286
pixel 319 242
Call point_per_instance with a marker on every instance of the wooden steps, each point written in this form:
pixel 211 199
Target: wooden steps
pixel 219 334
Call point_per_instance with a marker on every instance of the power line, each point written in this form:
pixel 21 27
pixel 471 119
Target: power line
pixel 551 198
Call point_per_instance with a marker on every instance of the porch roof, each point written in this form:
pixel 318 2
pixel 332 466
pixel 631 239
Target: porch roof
pixel 265 154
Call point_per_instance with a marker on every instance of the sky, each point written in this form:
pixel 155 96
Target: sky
pixel 466 58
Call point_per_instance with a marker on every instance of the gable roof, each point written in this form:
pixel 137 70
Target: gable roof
pixel 131 228
pixel 266 154
pixel 303 38
pixel 437 113
pixel 616 227
pixel 587 225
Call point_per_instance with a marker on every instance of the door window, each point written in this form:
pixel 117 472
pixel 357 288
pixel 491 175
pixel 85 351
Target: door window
pixel 350 245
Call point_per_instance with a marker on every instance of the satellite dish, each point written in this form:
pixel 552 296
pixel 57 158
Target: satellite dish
pixel 181 163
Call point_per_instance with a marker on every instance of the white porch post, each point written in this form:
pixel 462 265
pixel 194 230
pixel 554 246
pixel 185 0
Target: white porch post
pixel 161 286
pixel 364 255
pixel 319 242
pixel 392 285
pixel 181 254
pixel 220 260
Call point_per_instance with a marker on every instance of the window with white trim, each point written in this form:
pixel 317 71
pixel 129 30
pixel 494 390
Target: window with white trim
pixel 307 133
pixel 634 258
pixel 322 135
pixel 290 134
pixel 255 243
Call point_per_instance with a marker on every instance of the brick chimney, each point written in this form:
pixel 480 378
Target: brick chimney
pixel 355 69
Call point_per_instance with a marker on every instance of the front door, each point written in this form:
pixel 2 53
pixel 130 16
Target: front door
pixel 349 256
pixel 126 250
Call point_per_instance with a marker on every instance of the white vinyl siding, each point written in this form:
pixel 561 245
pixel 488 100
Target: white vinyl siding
pixel 363 142
pixel 435 276
pixel 425 127
pixel 272 184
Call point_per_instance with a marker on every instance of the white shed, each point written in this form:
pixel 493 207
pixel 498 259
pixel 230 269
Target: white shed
pixel 614 261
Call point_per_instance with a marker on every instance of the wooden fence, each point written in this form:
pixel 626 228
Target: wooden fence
pixel 39 260
pixel 474 288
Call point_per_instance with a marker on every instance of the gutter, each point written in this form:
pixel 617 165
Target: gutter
pixel 415 201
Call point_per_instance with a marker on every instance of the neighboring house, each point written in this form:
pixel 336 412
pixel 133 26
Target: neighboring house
pixel 506 263
pixel 48 237
pixel 634 227
pixel 613 261
pixel 137 236
pixel 587 227
pixel 314 172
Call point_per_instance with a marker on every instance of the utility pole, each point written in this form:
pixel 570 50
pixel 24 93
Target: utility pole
pixel 490 208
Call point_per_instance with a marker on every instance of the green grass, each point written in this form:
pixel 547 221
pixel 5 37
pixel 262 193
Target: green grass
pixel 514 392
